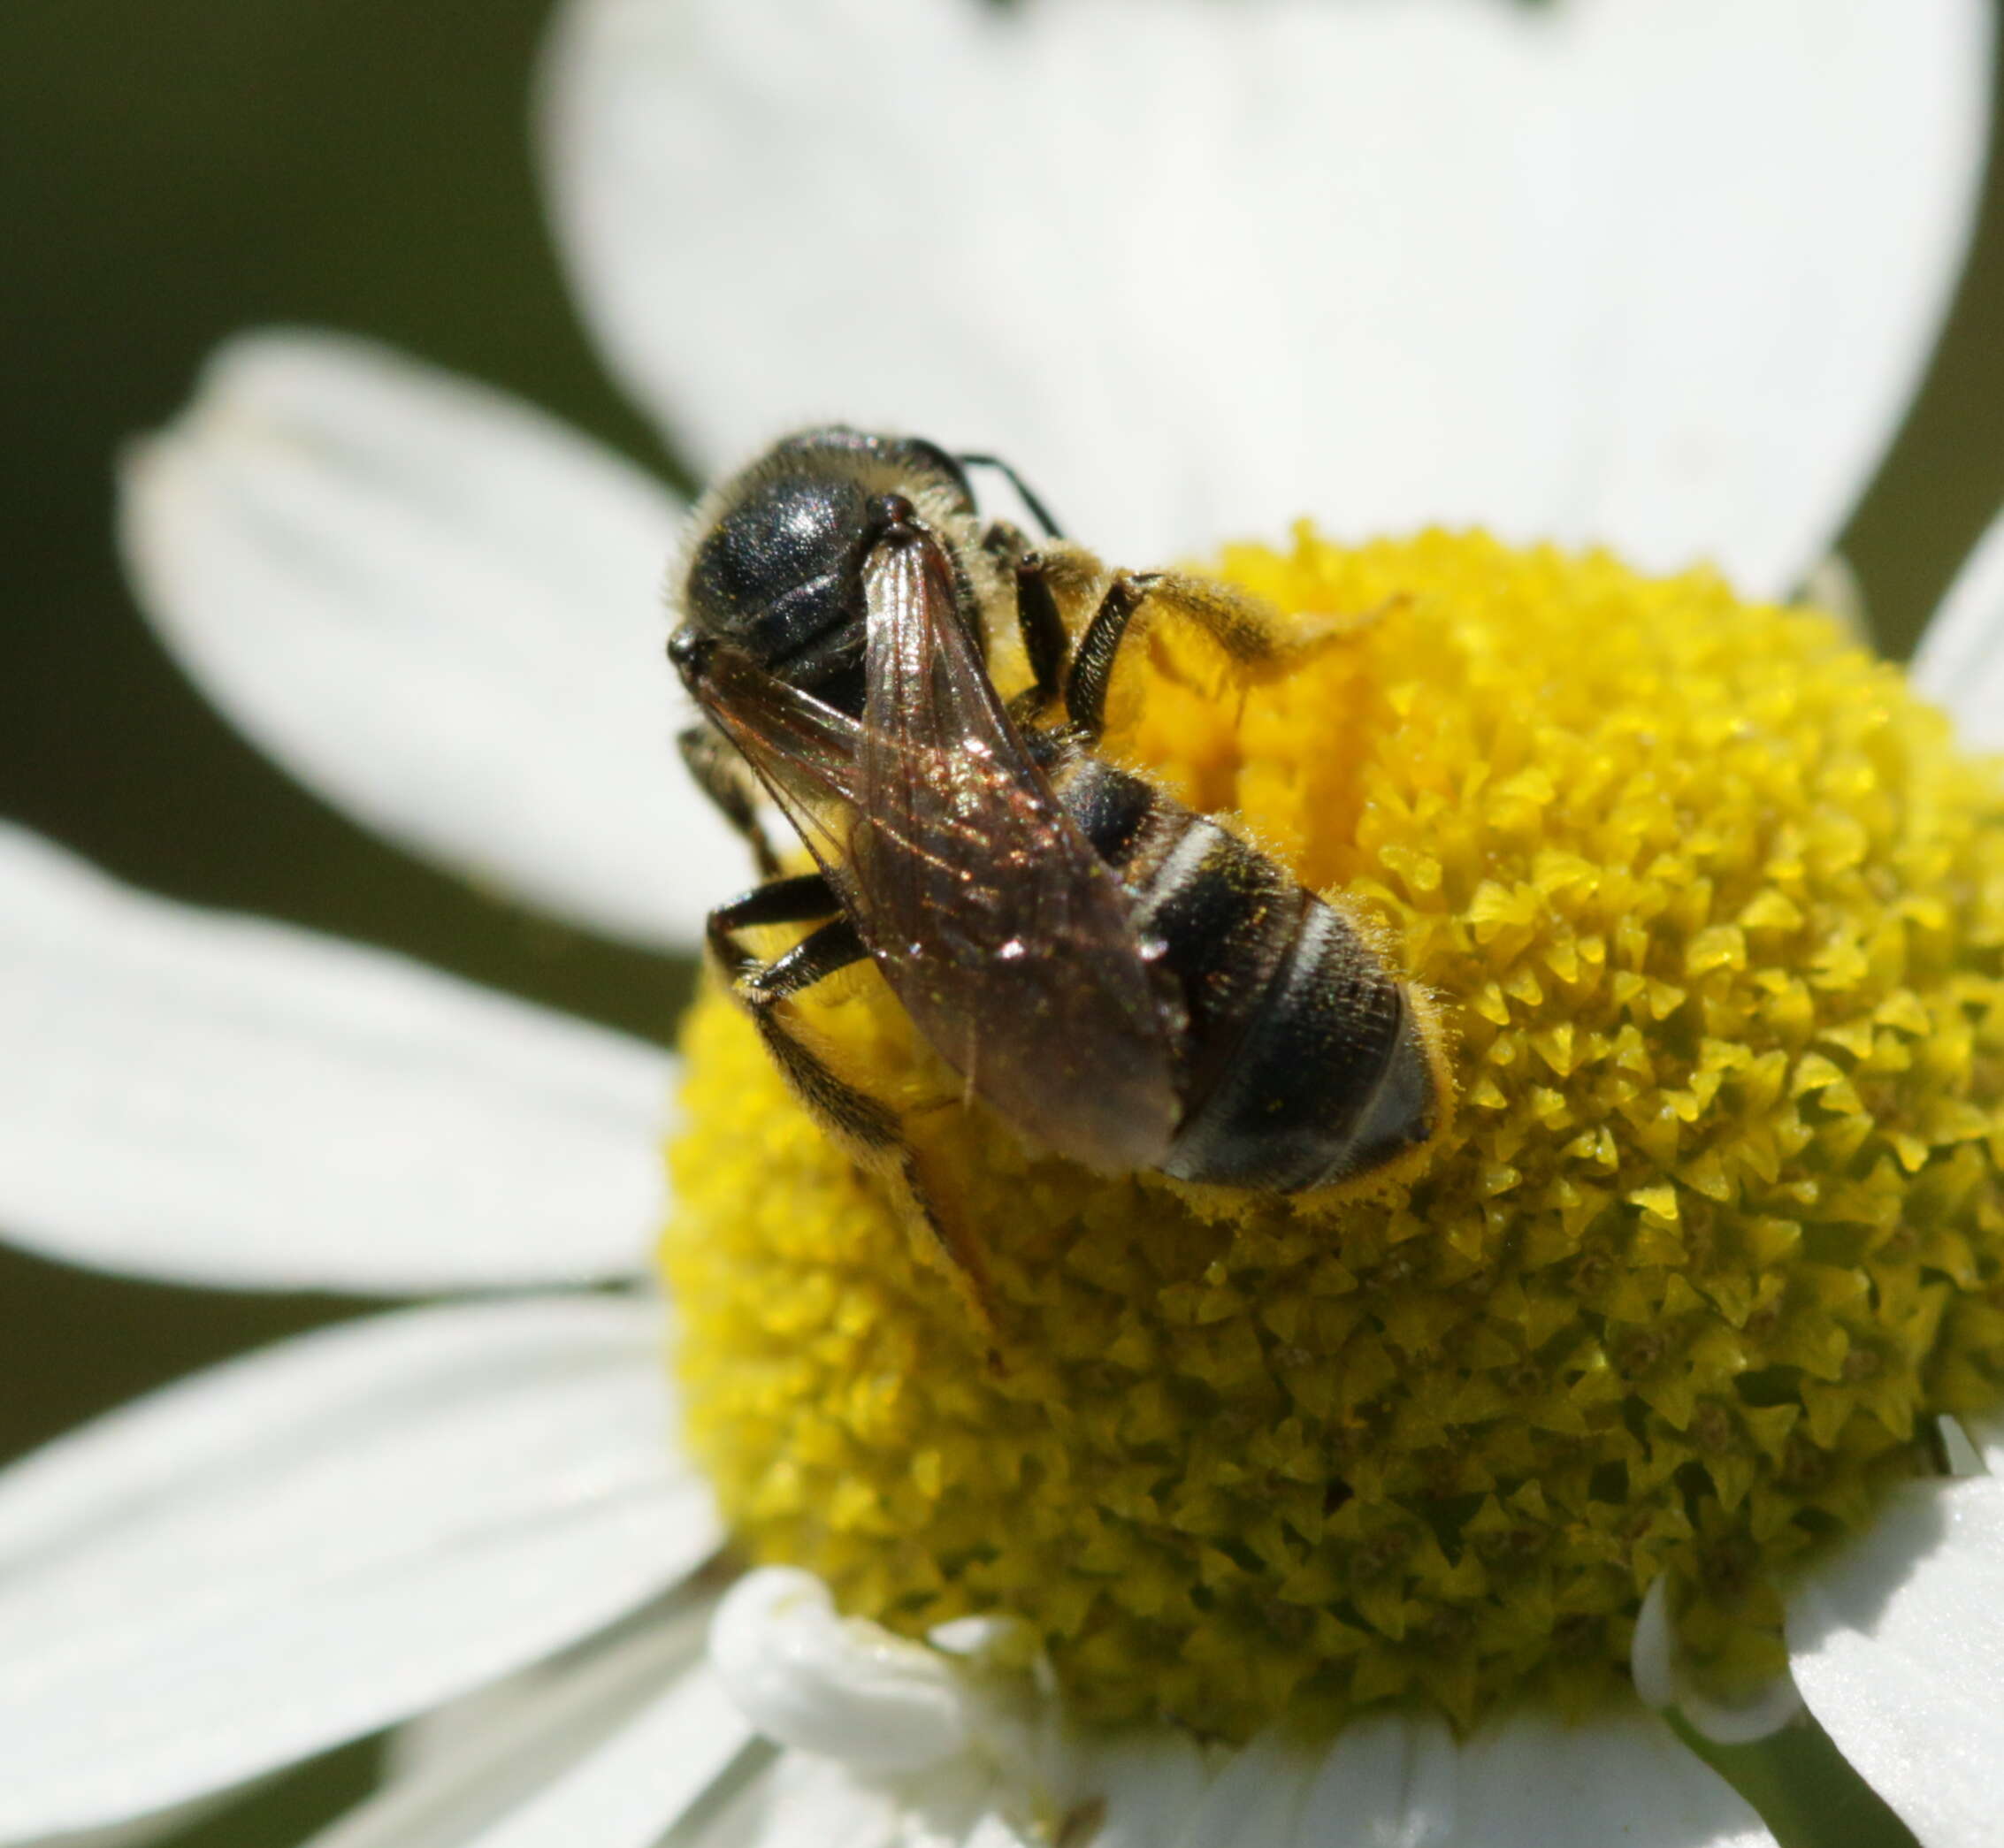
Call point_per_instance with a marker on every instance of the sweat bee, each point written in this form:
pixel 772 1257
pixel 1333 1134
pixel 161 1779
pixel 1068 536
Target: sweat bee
pixel 1124 980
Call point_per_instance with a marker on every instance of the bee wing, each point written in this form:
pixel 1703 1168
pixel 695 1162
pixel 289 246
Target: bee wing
pixel 1005 935
pixel 803 752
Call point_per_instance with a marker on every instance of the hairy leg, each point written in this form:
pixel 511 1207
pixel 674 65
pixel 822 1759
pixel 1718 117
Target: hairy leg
pixel 867 1128
pixel 1253 641
pixel 723 777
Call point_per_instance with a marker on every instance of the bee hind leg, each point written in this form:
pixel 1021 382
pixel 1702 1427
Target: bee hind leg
pixel 869 1129
pixel 1254 642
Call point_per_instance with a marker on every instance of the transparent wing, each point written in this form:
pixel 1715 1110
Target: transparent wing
pixel 803 752
pixel 1004 933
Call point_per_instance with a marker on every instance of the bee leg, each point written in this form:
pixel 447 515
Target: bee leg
pixel 1046 640
pixel 1245 629
pixel 721 774
pixel 858 1120
pixel 867 1128
pixel 1039 573
pixel 804 898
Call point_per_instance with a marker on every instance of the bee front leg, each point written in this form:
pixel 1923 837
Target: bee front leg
pixel 722 776
pixel 1044 577
pixel 867 1128
pixel 1046 640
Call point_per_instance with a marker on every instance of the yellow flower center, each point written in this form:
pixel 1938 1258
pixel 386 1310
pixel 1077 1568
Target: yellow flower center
pixel 1713 911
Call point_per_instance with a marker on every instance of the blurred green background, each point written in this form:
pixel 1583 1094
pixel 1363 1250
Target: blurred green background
pixel 173 172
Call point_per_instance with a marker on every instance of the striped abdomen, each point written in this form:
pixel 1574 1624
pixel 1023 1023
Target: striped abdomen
pixel 1302 1062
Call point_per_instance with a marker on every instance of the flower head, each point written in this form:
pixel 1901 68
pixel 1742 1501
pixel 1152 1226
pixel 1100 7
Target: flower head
pixel 1713 907
pixel 1504 279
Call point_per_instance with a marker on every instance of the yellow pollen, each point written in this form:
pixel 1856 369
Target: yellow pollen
pixel 1713 910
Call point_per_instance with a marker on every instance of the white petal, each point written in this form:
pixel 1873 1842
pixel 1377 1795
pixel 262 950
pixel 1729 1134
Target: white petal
pixel 844 1689
pixel 1959 1438
pixel 1530 1781
pixel 155 1828
pixel 464 1767
pixel 807 1802
pixel 537 1781
pixel 441 611
pixel 304 1546
pixel 642 1780
pixel 1663 1678
pixel 1661 274
pixel 1897 1643
pixel 1960 661
pixel 1392 1781
pixel 1151 1780
pixel 225 1100
pixel 804 1801
pixel 1389 1782
pixel 1253 1802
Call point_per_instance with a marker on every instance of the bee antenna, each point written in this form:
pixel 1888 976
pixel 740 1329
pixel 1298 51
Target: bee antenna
pixel 1040 513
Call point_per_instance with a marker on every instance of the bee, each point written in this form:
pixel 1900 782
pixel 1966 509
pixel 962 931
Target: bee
pixel 1124 980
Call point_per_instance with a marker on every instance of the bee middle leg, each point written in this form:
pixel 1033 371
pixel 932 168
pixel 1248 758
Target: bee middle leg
pixel 761 987
pixel 806 899
pixel 867 1128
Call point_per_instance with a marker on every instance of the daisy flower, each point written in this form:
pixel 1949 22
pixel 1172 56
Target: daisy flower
pixel 1715 899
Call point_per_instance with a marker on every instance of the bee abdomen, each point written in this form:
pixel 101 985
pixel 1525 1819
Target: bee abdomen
pixel 1300 1062
pixel 1118 812
pixel 1223 915
pixel 1330 1078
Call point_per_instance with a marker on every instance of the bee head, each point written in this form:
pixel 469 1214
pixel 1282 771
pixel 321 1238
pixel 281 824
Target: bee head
pixel 776 564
